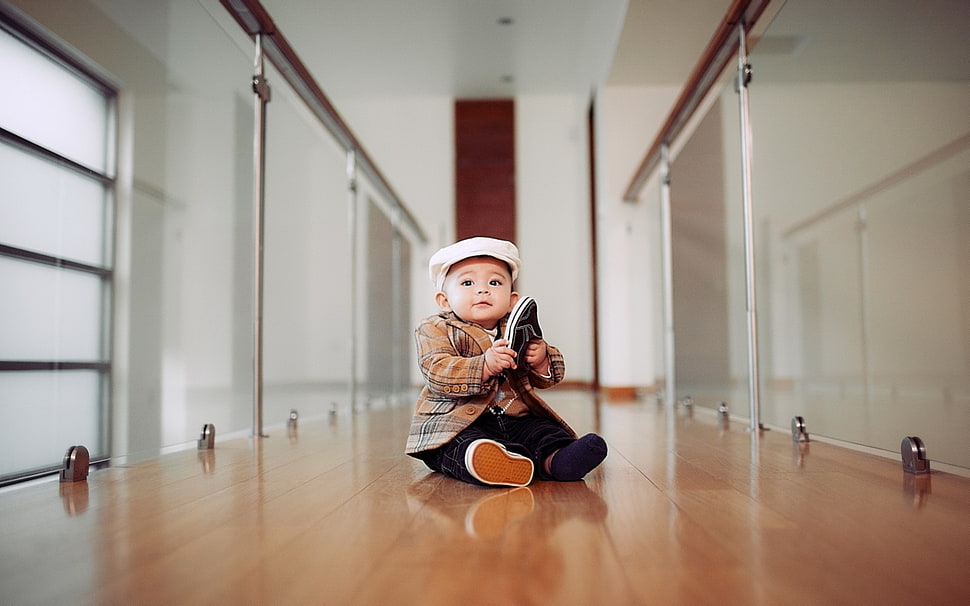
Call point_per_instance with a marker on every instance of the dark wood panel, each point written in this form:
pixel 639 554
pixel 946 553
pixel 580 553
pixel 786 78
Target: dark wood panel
pixel 485 168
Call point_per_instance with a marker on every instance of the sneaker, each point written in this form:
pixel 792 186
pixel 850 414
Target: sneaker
pixel 523 325
pixel 490 463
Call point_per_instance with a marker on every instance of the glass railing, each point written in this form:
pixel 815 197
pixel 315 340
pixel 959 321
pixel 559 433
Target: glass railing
pixel 182 353
pixel 861 142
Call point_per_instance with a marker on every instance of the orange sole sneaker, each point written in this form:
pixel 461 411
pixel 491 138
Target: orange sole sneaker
pixel 490 463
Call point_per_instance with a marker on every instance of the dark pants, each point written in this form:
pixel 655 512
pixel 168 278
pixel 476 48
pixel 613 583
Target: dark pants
pixel 534 437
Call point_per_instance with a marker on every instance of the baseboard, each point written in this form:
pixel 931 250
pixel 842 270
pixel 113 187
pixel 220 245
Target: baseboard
pixel 621 393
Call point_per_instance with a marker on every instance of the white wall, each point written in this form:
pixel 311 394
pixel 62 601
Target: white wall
pixel 553 208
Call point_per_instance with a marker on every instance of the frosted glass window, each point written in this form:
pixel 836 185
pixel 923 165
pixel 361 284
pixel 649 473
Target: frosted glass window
pixel 36 111
pixel 53 307
pixel 48 313
pixel 47 209
pixel 42 413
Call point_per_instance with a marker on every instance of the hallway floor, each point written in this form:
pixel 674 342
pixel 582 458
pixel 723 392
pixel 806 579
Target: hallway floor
pixel 687 509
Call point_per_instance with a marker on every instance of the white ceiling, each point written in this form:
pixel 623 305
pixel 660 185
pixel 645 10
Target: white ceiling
pixel 662 40
pixel 459 48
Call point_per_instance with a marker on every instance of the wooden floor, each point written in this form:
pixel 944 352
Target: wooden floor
pixel 686 509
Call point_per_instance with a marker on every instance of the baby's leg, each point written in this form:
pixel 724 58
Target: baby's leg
pixel 477 456
pixel 543 439
pixel 573 462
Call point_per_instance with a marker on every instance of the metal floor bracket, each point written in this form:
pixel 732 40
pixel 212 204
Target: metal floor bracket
pixel 208 438
pixel 77 460
pixel 914 455
pixel 798 431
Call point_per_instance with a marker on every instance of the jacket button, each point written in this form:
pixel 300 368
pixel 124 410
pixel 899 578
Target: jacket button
pixel 469 410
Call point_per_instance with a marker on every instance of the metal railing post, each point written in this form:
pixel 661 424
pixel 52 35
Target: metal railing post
pixel 743 79
pixel 262 95
pixel 352 228
pixel 668 278
pixel 398 322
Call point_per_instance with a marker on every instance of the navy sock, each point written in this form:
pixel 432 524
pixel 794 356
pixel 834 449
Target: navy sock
pixel 573 462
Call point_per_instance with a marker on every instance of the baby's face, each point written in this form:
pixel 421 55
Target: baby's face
pixel 478 290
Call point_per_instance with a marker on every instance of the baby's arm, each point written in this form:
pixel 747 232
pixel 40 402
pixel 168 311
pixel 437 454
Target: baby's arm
pixel 498 357
pixel 537 357
pixel 446 372
pixel 545 372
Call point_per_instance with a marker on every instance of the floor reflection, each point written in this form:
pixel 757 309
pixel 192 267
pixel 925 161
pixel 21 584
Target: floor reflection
pixel 917 489
pixel 207 459
pixel 489 513
pixel 74 495
pixel 490 516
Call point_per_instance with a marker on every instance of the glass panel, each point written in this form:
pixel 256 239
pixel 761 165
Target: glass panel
pixel 403 333
pixel 826 266
pixel 60 409
pixel 380 305
pixel 192 264
pixel 47 209
pixel 388 333
pixel 919 334
pixel 861 149
pixel 80 134
pixel 307 305
pixel 708 263
pixel 48 313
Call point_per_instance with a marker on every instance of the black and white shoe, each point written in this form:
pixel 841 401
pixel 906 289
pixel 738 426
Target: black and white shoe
pixel 523 325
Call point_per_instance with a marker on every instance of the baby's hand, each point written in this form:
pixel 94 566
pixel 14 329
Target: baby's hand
pixel 498 357
pixel 537 356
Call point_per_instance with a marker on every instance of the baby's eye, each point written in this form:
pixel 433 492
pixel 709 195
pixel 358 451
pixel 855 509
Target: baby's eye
pixel 466 283
pixel 494 282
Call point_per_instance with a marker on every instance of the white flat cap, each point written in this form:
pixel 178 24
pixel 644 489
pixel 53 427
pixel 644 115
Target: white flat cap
pixel 442 260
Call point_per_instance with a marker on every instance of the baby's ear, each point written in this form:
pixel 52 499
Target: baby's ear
pixel 442 300
pixel 513 299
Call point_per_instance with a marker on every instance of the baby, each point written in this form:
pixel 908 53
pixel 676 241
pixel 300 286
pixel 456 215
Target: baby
pixel 478 418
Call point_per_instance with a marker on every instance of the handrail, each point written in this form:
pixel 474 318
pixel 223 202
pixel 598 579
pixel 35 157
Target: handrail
pixel 254 19
pixel 722 48
pixel 936 156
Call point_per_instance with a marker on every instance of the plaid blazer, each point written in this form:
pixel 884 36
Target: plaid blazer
pixel 451 357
